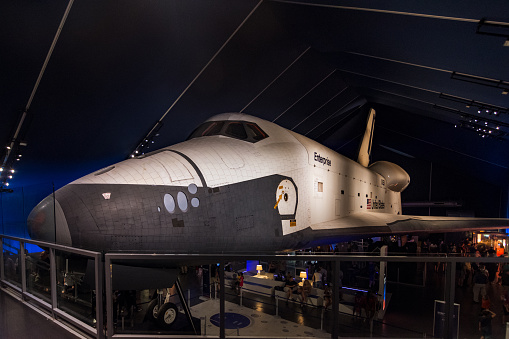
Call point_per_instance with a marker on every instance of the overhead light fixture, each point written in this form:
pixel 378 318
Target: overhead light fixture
pixel 474 79
pixel 494 28
pixel 148 139
pixel 482 106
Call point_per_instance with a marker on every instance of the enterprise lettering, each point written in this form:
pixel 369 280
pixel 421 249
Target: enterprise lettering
pixel 322 160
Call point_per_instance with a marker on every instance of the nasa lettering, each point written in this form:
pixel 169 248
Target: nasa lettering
pixel 322 160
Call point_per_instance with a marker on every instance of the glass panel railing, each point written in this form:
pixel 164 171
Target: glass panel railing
pixel 38 274
pixel 400 297
pixel 12 261
pixel 147 299
pixel 76 286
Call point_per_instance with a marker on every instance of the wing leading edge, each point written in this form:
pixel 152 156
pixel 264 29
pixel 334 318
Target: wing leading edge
pixel 383 223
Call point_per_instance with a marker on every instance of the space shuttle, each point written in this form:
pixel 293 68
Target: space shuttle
pixel 237 184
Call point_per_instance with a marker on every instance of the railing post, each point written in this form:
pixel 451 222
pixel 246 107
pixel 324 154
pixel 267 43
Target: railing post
pixel 449 300
pixel 99 278
pixel 321 319
pixel 222 323
pixel 109 301
pixel 22 259
pixel 2 273
pixel 335 300
pixel 53 280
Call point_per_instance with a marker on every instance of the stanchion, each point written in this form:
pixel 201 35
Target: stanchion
pixel 203 321
pixel 241 296
pixel 132 316
pixel 277 306
pixel 189 297
pixel 321 320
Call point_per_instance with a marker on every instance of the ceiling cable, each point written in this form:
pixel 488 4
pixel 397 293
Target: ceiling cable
pixel 319 108
pixel 212 59
pixel 283 72
pixel 14 140
pixel 50 52
pixel 392 82
pixel 331 116
pixel 152 132
pixel 442 147
pixel 302 97
pixel 385 11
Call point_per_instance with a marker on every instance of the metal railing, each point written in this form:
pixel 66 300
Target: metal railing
pixel 52 305
pixel 104 272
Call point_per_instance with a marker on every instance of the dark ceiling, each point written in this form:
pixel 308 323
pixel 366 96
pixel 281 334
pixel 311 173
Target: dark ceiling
pixel 314 67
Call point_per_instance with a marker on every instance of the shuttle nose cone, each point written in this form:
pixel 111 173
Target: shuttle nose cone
pixel 47 222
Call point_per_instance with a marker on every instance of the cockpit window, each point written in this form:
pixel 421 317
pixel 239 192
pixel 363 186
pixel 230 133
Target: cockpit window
pixel 236 130
pixel 247 131
pixel 256 131
pixel 207 128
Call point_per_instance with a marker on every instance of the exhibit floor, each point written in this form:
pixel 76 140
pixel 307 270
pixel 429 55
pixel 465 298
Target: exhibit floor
pixel 410 315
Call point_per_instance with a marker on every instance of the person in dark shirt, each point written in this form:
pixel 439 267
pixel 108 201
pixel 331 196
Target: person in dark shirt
pixel 290 287
pixel 485 323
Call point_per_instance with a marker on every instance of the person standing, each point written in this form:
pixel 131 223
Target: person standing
pixel 241 283
pixel 485 323
pixel 317 279
pixel 480 281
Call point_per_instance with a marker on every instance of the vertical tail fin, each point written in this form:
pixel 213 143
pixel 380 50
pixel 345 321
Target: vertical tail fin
pixel 365 149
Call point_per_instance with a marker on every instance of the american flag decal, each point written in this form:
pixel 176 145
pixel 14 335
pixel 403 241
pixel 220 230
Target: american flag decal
pixel 369 204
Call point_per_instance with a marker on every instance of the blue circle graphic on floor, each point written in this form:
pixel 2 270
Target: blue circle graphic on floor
pixel 231 320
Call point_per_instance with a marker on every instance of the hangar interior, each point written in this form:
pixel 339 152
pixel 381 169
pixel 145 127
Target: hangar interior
pixel 85 83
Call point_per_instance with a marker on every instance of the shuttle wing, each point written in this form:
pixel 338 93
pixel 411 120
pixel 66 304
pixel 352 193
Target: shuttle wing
pixel 383 223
